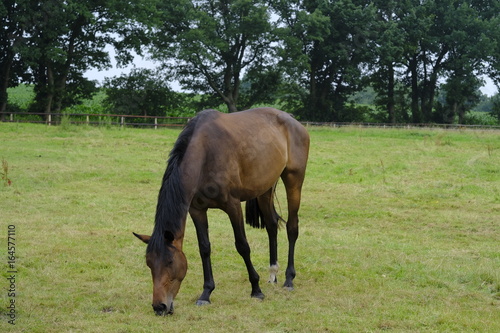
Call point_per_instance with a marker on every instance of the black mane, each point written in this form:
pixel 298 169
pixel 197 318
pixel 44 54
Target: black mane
pixel 172 204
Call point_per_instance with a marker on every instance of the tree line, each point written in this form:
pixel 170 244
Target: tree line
pixel 423 58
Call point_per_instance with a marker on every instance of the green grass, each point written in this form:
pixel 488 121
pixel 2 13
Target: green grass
pixel 399 232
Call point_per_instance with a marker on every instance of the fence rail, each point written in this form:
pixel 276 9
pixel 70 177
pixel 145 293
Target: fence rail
pixel 94 119
pixel 403 125
pixel 157 121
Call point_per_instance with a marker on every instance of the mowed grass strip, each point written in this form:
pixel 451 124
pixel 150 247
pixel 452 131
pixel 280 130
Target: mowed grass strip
pixel 400 231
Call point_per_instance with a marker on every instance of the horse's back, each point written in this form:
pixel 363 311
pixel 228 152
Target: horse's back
pixel 262 129
pixel 249 150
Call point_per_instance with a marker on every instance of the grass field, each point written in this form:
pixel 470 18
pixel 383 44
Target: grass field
pixel 400 231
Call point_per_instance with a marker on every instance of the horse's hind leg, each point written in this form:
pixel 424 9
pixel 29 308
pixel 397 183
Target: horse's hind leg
pixel 293 183
pixel 271 220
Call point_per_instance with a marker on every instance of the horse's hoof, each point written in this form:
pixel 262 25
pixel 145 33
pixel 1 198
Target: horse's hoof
pixel 258 296
pixel 202 302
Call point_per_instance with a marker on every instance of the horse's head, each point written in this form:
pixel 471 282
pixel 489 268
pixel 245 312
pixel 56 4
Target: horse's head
pixel 168 269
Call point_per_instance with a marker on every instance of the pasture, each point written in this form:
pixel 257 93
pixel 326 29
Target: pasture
pixel 399 231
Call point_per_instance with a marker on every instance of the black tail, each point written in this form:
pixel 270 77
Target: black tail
pixel 253 214
pixel 255 217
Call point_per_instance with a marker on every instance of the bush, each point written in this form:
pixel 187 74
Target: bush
pixel 143 92
pixel 480 118
pixel 94 105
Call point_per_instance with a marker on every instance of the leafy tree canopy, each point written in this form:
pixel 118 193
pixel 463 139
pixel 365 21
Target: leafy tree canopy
pixel 210 45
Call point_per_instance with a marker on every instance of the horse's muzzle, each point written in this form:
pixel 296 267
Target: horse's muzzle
pixel 163 310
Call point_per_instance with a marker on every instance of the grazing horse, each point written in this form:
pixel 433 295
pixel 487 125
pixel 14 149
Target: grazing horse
pixel 218 161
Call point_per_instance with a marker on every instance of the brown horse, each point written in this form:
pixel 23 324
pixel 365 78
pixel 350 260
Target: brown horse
pixel 218 161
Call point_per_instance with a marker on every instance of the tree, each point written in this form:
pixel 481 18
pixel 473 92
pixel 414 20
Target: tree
pixel 495 109
pixel 331 44
pixel 470 48
pixel 13 26
pixel 209 45
pixel 442 38
pixel 388 55
pixel 61 40
pixel 142 92
pixel 491 21
pixel 462 94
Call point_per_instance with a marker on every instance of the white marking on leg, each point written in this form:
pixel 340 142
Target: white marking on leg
pixel 273 270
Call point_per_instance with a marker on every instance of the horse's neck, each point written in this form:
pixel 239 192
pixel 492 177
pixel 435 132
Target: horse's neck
pixel 189 178
pixel 191 170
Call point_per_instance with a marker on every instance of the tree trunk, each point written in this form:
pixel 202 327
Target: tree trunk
pixel 461 114
pixel 231 107
pixel 390 95
pixel 429 89
pixel 415 110
pixel 428 94
pixel 313 96
pixel 60 88
pixel 449 116
pixel 50 92
pixel 4 84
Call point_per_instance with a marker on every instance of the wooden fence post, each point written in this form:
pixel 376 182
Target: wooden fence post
pixel 156 123
pixel 122 121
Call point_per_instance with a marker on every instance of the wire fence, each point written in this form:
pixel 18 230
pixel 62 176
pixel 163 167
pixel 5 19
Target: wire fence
pixel 158 122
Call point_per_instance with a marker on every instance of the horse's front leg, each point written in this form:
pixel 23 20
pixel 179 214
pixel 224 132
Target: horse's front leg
pixel 233 209
pixel 201 223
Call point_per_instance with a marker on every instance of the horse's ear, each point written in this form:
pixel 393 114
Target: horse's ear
pixel 169 237
pixel 144 238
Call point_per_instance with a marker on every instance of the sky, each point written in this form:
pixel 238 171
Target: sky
pixel 488 89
